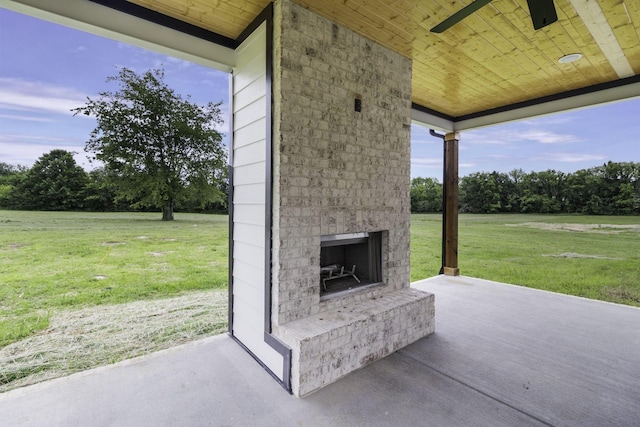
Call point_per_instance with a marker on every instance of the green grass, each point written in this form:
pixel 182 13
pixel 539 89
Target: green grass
pixel 55 260
pixel 600 263
pixel 50 261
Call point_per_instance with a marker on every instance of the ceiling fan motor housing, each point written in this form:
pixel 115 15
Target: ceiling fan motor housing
pixel 543 13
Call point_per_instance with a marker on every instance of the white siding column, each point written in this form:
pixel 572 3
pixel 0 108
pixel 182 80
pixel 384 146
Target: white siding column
pixel 250 227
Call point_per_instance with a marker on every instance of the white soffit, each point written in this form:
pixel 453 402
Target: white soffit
pixel 619 93
pixel 605 96
pixel 597 24
pixel 575 102
pixel 432 121
pixel 103 21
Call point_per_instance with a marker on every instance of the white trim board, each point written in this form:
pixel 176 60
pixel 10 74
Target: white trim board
pixel 569 103
pixel 106 22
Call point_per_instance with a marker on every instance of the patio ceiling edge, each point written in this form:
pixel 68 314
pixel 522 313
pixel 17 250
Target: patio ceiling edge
pixel 615 91
pixel 107 22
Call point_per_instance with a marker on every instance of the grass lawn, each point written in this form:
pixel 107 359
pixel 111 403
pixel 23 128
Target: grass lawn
pixel 595 257
pixel 52 261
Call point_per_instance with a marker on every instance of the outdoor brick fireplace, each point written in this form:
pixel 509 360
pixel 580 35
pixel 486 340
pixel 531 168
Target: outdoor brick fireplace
pixel 340 200
pixel 350 261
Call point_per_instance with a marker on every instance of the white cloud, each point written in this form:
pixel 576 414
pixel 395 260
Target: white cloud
pixel 486 137
pixel 426 161
pixel 28 151
pixel 9 138
pixel 25 118
pixel 572 157
pixel 514 136
pixel 547 137
pixel 34 96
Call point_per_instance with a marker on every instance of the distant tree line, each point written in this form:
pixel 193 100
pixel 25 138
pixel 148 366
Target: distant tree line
pixel 610 189
pixel 56 183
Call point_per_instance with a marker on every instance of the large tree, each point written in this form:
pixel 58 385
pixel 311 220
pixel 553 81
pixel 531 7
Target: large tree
pixel 162 148
pixel 54 183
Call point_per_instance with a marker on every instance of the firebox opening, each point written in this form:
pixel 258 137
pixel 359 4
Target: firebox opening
pixel 349 261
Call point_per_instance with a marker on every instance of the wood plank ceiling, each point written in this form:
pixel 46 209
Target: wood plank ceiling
pixel 493 58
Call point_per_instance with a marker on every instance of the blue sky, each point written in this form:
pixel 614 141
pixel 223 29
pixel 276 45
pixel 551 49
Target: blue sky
pixel 47 69
pixel 564 142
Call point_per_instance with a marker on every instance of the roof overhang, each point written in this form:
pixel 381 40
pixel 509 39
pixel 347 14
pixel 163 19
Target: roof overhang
pixel 605 93
pixel 183 41
pixel 607 34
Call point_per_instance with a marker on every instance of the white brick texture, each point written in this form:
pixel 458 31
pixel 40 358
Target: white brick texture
pixel 338 170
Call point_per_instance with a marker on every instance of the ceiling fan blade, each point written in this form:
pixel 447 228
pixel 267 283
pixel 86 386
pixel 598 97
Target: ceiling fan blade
pixel 543 13
pixel 461 14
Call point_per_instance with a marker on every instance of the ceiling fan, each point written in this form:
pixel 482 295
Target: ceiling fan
pixel 543 13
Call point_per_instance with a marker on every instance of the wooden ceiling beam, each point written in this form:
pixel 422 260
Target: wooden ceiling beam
pixel 598 25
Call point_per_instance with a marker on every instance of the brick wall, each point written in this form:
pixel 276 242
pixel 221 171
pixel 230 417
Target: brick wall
pixel 336 170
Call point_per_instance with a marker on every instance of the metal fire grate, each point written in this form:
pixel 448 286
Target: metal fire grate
pixel 335 271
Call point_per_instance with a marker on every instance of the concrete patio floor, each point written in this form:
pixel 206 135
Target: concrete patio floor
pixel 502 355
